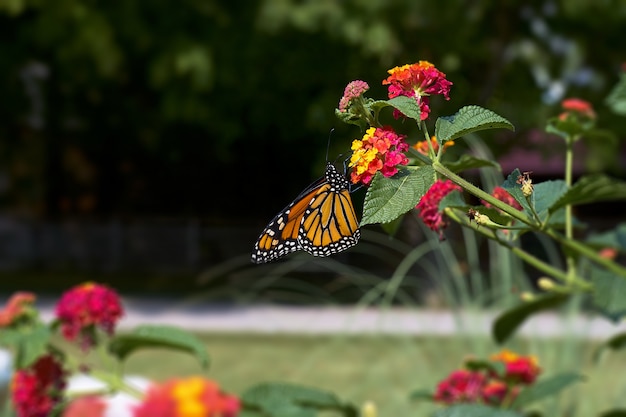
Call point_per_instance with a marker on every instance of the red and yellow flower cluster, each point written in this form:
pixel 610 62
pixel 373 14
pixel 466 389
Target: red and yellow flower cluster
pixel 189 397
pixel 486 386
pixel 420 81
pixel 86 307
pixel 380 149
pixel 423 147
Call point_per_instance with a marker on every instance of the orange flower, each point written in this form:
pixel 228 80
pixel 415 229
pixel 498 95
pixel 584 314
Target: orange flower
pixel 422 145
pixel 19 305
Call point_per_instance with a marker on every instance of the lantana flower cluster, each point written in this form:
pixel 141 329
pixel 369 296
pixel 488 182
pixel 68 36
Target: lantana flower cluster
pixel 428 207
pixel 38 389
pixel 84 308
pixel 504 196
pixel 188 397
pixel 485 386
pixel 19 306
pixel 419 80
pixel 380 149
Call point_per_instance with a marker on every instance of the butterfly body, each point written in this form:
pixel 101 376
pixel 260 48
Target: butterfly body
pixel 320 221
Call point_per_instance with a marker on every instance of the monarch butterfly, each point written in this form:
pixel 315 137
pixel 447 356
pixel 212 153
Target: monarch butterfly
pixel 320 221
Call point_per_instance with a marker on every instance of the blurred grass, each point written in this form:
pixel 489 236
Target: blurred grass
pixel 385 369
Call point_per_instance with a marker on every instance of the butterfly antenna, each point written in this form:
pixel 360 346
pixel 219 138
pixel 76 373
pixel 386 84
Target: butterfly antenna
pixel 328 144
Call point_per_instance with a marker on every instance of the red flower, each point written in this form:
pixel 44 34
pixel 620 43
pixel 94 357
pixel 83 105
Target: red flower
pixel 37 389
pixel 461 386
pixel 504 196
pixel 420 81
pixel 87 406
pixel 428 206
pixel 519 369
pixel 84 308
pixel 577 106
pixel 19 305
pixel 193 396
pixel 380 149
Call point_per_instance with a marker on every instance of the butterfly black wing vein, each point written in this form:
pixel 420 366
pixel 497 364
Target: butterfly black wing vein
pixel 320 221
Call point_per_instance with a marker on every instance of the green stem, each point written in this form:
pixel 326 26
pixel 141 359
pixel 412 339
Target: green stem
pixel 472 189
pixel 569 229
pixel 520 253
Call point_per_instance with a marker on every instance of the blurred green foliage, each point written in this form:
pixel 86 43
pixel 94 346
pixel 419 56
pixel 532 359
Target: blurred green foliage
pixel 169 108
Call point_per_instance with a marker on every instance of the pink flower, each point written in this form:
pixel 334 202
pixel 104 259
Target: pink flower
pixel 87 406
pixel 36 390
pixel 86 307
pixel 428 207
pixel 420 81
pixel 353 90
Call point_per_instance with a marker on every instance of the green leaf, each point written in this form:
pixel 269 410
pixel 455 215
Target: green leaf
pixel 614 238
pixel 592 189
pixel 614 413
pixel 407 106
pixel 543 198
pixel 616 342
pixel 352 119
pixel 545 388
pixel 467 120
pixel 470 162
pixel 421 394
pixel 616 99
pixel 290 400
pixel 474 410
pixel 609 293
pixel 507 323
pixel 28 342
pixel 148 336
pixel 388 198
pixel 497 367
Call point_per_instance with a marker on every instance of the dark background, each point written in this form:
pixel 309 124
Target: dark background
pixel 148 118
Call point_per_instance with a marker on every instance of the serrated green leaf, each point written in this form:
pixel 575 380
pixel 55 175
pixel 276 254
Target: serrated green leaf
pixel 352 119
pixel 616 99
pixel 592 189
pixel 388 198
pixel 407 106
pixel 29 343
pixel 544 196
pixel 474 410
pixel 609 293
pixel 470 162
pixel 545 388
pixel 467 120
pixel 149 336
pixel 507 323
pixel 284 399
